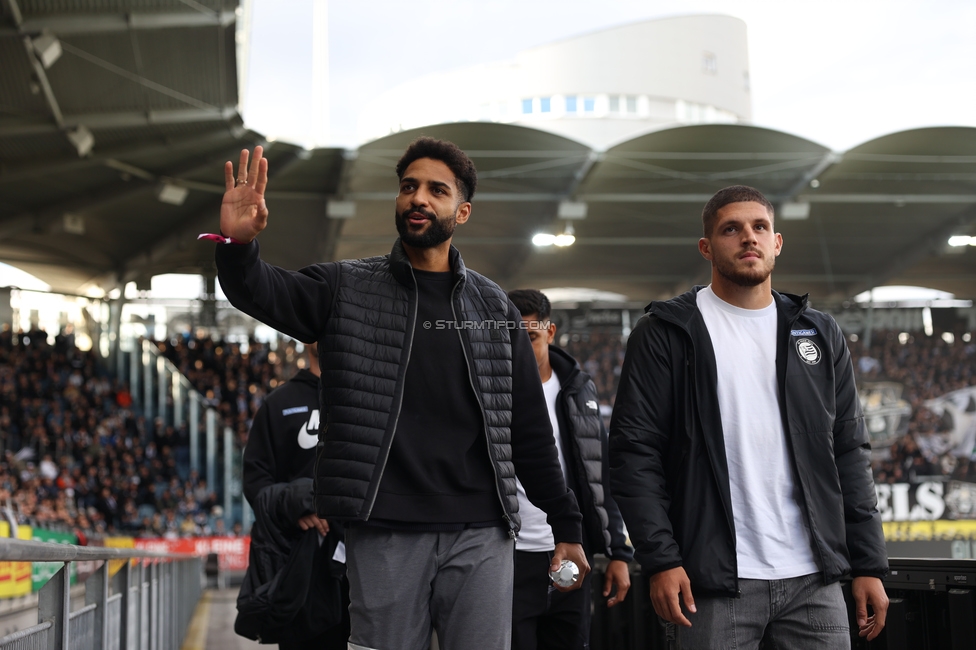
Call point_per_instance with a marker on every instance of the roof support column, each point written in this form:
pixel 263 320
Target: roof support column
pixel 208 302
pixel 115 335
pixel 6 311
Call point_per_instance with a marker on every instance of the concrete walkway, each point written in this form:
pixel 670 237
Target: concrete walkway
pixel 212 626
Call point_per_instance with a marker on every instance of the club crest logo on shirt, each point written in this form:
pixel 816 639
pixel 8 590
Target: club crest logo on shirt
pixel 308 440
pixel 808 351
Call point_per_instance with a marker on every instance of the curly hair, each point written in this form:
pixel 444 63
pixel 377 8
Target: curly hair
pixel 733 194
pixel 465 175
pixel 531 301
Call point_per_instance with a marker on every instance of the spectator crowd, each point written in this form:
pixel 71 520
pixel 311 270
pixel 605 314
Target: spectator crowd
pixel 927 368
pixel 76 456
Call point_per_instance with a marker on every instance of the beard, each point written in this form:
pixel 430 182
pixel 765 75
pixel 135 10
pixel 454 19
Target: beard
pixel 745 277
pixel 438 232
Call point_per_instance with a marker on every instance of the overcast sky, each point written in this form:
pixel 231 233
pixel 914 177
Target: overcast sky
pixel 837 72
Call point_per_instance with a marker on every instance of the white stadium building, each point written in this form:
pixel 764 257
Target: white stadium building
pixel 599 89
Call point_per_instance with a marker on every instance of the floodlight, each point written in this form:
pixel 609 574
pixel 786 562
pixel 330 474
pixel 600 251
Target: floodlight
pixel 571 210
pixel 795 211
pixel 340 209
pixel 566 238
pixel 47 47
pixel 172 193
pixel 82 139
pixel 962 240
pixel 73 223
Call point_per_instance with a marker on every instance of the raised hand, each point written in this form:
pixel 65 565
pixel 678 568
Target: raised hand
pixel 243 212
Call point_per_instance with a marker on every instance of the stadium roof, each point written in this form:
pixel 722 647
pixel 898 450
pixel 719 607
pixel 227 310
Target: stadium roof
pixel 162 120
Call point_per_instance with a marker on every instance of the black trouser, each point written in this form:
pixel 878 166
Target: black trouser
pixel 542 617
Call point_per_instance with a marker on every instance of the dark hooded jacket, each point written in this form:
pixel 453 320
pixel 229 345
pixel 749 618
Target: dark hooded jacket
pixel 668 470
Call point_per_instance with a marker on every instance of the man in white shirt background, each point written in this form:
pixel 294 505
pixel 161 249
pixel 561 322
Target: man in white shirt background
pixel 543 617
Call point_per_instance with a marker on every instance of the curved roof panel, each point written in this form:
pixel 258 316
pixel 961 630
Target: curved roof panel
pixel 522 174
pixel 884 211
pixel 881 212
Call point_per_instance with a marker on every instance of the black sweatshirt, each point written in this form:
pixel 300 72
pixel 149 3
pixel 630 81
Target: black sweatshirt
pixel 297 303
pixel 439 470
pixel 281 444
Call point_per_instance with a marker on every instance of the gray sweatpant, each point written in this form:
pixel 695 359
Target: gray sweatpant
pixel 403 584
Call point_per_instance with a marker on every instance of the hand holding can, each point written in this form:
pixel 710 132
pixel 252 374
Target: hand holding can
pixel 566 575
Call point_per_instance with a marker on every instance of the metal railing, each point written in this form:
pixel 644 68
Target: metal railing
pixel 146 606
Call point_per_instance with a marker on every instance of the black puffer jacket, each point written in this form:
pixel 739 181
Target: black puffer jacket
pixel 363 314
pixel 367 345
pixel 585 448
pixel 668 469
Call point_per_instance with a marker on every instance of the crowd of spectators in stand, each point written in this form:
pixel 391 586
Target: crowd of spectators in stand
pixel 75 456
pixel 232 377
pixel 927 367
pixel 601 355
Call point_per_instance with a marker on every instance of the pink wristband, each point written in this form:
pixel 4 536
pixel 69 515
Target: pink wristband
pixel 220 239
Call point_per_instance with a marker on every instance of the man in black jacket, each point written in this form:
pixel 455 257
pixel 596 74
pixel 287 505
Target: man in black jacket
pixel 541 616
pixel 281 448
pixel 739 456
pixel 431 404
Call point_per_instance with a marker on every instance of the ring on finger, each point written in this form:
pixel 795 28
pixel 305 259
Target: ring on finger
pixel 240 181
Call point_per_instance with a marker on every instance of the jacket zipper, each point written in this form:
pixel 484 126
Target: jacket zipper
pixel 399 405
pixel 484 420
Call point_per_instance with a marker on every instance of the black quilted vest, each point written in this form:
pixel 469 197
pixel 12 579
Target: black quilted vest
pixel 364 353
pixel 581 429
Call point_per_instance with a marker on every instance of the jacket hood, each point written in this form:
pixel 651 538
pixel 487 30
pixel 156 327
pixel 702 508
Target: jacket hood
pixel 682 309
pixel 566 367
pixel 306 377
pixel 400 265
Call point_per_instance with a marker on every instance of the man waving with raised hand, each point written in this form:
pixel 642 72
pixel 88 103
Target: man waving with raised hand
pixel 431 405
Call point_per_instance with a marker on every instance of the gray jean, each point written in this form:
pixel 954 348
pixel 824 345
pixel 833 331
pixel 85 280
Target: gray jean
pixel 794 614
pixel 403 584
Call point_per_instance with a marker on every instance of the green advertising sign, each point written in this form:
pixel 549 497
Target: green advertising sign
pixel 41 572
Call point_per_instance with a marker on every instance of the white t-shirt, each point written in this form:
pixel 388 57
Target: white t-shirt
pixel 535 534
pixel 772 539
